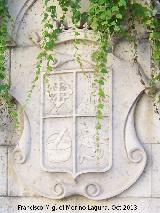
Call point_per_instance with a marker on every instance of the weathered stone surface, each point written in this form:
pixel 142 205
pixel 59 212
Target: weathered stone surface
pixel 27 16
pixel 15 186
pixel 142 188
pixel 4 124
pixel 5 121
pixel 27 19
pixel 3 171
pixel 155 170
pixel 18 74
pixel 147 121
pixel 15 6
pixel 125 51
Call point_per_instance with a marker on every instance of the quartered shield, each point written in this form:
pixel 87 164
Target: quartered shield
pixel 58 154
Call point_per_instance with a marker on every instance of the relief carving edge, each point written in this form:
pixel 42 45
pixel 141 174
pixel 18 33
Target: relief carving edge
pixel 27 5
pixel 34 36
pixel 22 150
pixel 134 149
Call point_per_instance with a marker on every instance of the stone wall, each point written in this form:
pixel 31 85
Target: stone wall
pixel 21 187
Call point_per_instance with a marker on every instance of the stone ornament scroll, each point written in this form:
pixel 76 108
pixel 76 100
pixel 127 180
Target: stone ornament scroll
pixel 56 156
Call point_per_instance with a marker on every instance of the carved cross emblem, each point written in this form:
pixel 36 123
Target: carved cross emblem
pixel 61 91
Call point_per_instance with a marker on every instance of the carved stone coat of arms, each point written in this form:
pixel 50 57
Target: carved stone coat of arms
pixel 57 153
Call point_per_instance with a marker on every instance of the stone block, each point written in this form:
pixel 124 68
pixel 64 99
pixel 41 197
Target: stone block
pixel 3 171
pixel 15 185
pixel 155 170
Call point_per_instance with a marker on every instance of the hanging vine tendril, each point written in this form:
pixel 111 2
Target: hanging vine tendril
pixel 108 19
pixel 4 84
pixel 5 97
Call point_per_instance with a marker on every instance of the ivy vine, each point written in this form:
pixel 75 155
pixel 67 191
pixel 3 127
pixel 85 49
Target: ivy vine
pixel 4 85
pixel 6 100
pixel 108 19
